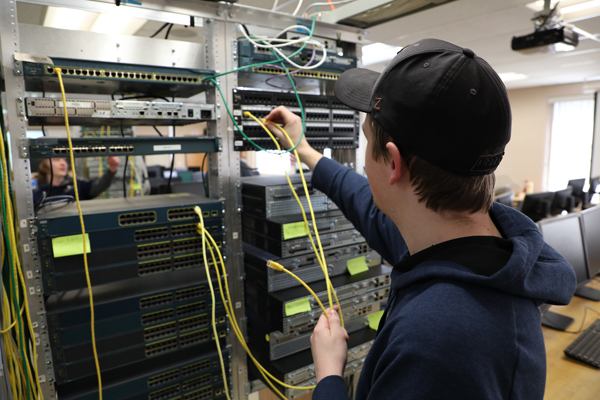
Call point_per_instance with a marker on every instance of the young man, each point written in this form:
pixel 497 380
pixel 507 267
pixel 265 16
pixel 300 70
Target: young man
pixel 463 320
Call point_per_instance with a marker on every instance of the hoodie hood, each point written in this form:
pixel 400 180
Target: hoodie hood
pixel 534 270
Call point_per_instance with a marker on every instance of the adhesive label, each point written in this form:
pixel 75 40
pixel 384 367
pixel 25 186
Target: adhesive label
pixel 70 245
pixel 374 319
pixel 297 307
pixel 357 265
pixel 167 147
pixel 34 58
pixel 294 230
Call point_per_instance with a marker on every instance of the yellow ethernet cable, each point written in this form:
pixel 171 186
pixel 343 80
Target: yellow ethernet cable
pixel 229 309
pixel 198 211
pixel 85 260
pixel 17 271
pixel 320 257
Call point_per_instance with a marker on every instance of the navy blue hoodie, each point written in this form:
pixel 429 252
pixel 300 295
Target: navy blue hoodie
pixel 451 333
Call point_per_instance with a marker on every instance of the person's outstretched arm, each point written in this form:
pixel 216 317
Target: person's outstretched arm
pixel 102 183
pixel 349 190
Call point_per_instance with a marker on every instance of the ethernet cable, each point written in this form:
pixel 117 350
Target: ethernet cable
pixel 21 363
pixel 198 211
pixel 231 313
pixel 85 260
pixel 320 257
pixel 267 44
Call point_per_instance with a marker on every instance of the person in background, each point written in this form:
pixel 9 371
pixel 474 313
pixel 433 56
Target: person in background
pixel 62 184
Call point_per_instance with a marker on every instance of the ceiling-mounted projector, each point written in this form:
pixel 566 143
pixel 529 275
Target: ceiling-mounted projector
pixel 547 40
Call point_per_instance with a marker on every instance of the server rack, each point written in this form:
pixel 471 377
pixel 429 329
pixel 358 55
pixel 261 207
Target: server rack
pixel 219 53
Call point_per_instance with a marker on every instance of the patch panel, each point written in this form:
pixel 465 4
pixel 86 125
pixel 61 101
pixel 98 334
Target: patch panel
pixel 328 122
pixel 47 147
pixel 97 77
pixel 50 111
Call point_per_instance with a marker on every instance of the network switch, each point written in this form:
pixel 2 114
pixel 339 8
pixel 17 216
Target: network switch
pixel 143 212
pixel 189 370
pixel 329 123
pixel 49 111
pixel 290 227
pixel 137 299
pixel 47 147
pixel 191 314
pixel 191 320
pixel 68 371
pixel 331 69
pixel 306 267
pixel 98 77
pixel 273 307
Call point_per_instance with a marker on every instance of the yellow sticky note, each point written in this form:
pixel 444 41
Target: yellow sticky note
pixel 294 230
pixel 70 245
pixel 374 319
pixel 297 307
pixel 136 186
pixel 357 265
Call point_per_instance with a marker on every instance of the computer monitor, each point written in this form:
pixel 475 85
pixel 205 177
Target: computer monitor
pixel 563 201
pixel 565 235
pixel 537 205
pixel 505 198
pixel 590 220
pixel 577 185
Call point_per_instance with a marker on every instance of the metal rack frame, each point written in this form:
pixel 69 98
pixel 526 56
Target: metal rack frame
pixel 220 53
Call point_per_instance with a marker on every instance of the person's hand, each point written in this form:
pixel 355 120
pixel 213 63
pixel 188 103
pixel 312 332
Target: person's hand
pixel 293 126
pixel 113 163
pixel 328 345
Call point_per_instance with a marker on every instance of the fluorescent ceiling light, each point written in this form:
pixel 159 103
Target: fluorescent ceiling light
pixel 512 76
pixel 68 18
pixel 579 7
pixel 117 23
pixel 378 52
pixel 539 5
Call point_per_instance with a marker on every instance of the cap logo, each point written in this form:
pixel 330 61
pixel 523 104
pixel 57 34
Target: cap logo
pixel 487 163
pixel 376 106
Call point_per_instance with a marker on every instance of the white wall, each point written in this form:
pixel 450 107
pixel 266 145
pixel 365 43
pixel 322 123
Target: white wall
pixel 526 153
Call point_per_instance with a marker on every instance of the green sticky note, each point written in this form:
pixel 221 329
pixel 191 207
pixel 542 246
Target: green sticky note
pixel 374 319
pixel 294 230
pixel 70 245
pixel 297 307
pixel 136 186
pixel 357 265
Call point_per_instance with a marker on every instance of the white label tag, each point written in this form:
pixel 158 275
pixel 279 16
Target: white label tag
pixel 33 58
pixel 23 223
pixel 77 104
pixel 238 143
pixel 167 147
pixel 26 248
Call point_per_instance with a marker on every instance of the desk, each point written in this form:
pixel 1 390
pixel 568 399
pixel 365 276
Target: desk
pixel 568 379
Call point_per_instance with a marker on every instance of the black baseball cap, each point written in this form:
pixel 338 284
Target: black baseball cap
pixel 438 101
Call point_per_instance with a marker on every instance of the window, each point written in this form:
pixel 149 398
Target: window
pixel 570 142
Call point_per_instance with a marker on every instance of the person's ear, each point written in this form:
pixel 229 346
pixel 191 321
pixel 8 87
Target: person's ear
pixel 395 165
